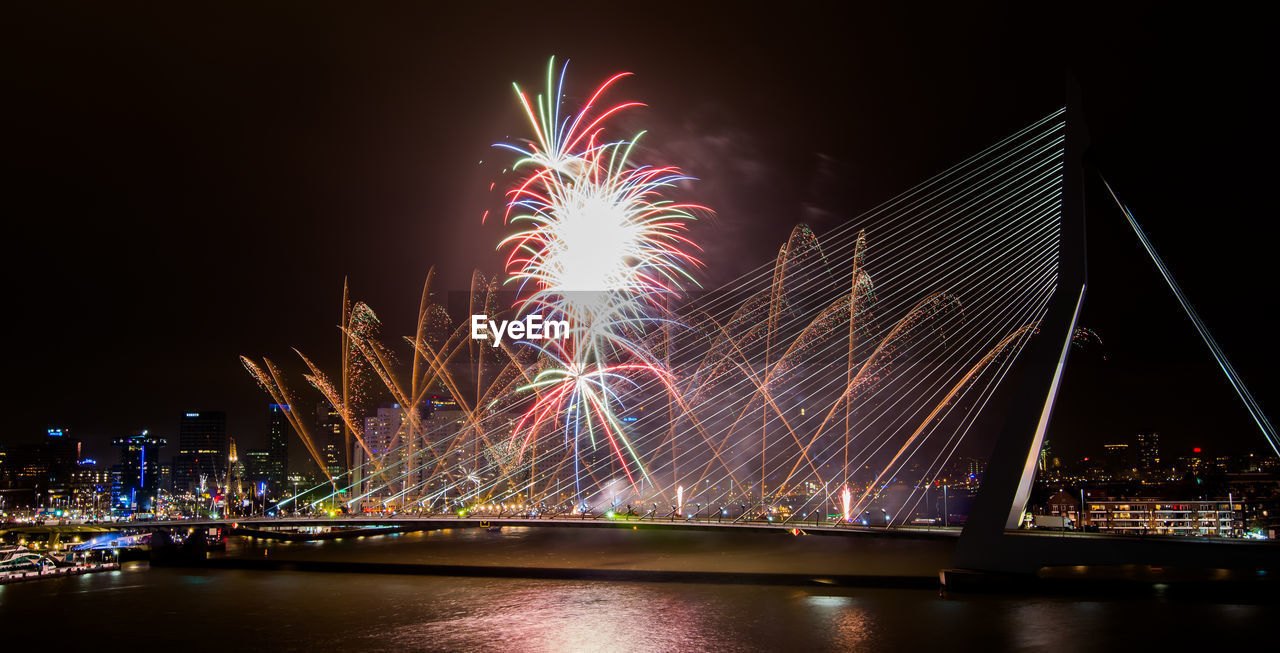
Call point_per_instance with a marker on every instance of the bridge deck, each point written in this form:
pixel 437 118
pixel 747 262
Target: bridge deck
pixel 580 522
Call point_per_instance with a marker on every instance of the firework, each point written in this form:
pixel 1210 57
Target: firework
pixel 598 246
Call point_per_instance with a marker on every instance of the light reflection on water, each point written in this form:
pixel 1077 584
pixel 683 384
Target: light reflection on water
pixel 649 617
pixel 190 609
pixel 544 616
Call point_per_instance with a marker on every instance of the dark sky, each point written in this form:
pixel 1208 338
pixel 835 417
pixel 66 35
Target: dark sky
pixel 187 185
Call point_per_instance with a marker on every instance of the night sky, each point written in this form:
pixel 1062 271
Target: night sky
pixel 184 186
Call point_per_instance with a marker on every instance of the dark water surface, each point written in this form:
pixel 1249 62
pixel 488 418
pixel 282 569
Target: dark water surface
pixel 194 609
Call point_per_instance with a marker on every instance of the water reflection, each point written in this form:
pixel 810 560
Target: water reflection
pixel 552 616
pixel 286 611
pixel 849 623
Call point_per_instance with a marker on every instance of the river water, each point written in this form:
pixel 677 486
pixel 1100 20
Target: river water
pixel 201 609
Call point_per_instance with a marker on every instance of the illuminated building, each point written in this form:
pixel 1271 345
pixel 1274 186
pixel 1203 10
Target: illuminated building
pixel 277 446
pixel 166 476
pixel 1164 517
pixel 257 466
pixel 445 421
pixel 380 430
pixel 202 451
pixel 329 438
pixel 1116 461
pixel 139 473
pixel 90 485
pixel 1149 457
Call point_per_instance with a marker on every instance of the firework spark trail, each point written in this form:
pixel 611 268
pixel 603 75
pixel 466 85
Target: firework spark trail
pixel 724 333
pixel 996 314
pixel 948 448
pixel 270 383
pixel 432 358
pixel 1008 321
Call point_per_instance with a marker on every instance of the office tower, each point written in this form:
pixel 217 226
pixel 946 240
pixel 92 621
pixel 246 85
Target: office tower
pixel 278 429
pixel 440 428
pixel 257 466
pixel 380 431
pixel 202 451
pixel 329 438
pixel 1115 460
pixel 139 473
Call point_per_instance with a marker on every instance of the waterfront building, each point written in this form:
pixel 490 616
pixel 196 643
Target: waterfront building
pixel 202 451
pixel 379 471
pixel 139 473
pixel 278 429
pixel 329 438
pixel 443 425
pixel 114 476
pixel 1164 517
pixel 1064 504
pixel 90 486
pixel 257 467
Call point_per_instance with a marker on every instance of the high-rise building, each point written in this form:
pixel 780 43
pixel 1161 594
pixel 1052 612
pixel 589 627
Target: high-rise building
pixel 380 430
pixel 1149 456
pixel 1116 460
pixel 444 421
pixel 329 438
pixel 115 482
pixel 202 451
pixel 91 486
pixel 277 445
pixel 139 473
pixel 257 466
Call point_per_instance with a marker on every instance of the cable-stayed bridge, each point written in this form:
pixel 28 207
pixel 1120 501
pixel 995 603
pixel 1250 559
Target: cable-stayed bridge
pixel 828 390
